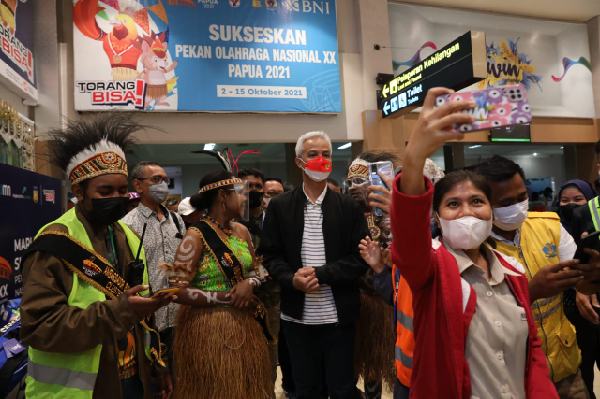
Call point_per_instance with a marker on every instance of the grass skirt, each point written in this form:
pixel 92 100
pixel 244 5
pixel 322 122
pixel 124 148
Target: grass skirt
pixel 124 73
pixel 156 91
pixel 375 340
pixel 220 353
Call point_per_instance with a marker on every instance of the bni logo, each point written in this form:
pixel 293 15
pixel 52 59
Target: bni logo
pixel 6 190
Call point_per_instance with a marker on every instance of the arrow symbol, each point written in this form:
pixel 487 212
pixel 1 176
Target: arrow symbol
pixel 386 90
pixel 386 108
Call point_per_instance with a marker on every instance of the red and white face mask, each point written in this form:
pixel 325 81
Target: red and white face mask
pixel 317 169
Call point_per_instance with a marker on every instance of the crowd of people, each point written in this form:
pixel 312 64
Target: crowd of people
pixel 451 289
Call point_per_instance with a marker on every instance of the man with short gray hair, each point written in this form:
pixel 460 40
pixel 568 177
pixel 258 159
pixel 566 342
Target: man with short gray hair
pixel 310 246
pixel 162 231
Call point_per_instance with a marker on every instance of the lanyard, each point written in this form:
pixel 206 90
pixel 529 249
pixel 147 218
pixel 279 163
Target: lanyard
pixel 112 248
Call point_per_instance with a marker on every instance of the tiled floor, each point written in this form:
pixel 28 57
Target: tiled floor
pixel 388 395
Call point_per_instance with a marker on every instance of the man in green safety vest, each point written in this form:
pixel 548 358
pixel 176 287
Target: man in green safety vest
pixel 86 310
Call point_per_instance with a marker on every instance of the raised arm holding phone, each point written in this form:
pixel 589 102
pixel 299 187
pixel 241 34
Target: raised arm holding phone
pixel 470 301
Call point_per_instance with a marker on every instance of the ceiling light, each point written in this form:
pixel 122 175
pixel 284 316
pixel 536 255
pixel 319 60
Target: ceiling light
pixel 474 146
pixel 535 154
pixel 345 146
pixel 209 146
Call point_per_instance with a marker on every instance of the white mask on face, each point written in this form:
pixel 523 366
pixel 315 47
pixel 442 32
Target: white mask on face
pixel 467 232
pixel 316 176
pixel 510 218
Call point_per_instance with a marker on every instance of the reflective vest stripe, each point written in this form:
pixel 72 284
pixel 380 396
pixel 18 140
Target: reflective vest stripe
pixel 404 319
pixel 405 340
pixel 539 316
pixel 593 205
pixel 403 358
pixel 72 375
pixel 60 376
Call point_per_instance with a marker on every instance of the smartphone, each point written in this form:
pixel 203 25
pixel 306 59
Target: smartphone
pixel 592 241
pixel 376 170
pixel 167 290
pixel 494 107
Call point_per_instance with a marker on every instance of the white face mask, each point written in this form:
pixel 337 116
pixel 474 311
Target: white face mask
pixel 159 192
pixel 510 218
pixel 467 232
pixel 316 176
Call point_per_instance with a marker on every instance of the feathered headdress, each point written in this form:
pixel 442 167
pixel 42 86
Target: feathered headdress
pixel 90 148
pixel 358 168
pixel 226 157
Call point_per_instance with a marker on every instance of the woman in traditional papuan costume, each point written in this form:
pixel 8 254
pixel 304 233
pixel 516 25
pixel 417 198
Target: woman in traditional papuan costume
pixel 220 345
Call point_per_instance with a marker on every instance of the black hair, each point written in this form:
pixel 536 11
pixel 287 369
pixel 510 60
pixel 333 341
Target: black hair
pixel 448 182
pixel 206 199
pixel 498 169
pixel 597 148
pixel 277 179
pixel 138 170
pixel 251 172
pixel 82 134
pixel 333 181
pixel 378 156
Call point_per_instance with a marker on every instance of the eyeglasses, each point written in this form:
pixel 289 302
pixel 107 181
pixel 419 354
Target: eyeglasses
pixel 156 179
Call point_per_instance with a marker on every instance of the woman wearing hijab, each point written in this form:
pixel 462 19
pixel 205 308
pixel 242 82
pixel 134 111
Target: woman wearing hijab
pixel 579 307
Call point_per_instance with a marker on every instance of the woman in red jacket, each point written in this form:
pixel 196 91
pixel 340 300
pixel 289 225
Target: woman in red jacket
pixel 475 334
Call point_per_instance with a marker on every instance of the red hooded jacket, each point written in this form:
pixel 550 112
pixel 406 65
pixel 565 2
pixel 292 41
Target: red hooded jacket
pixel 444 306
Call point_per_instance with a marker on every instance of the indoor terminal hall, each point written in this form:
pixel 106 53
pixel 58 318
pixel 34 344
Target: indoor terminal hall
pixel 299 199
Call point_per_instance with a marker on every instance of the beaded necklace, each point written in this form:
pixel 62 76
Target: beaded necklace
pixel 227 230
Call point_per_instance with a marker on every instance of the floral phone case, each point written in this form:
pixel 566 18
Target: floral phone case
pixel 494 107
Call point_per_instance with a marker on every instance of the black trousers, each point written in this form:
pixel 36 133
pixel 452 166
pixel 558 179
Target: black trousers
pixel 319 350
pixel 588 339
pixel 287 378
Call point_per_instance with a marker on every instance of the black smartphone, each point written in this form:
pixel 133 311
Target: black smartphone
pixel 591 241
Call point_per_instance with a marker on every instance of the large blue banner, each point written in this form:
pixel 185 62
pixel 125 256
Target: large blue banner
pixel 207 55
pixel 28 201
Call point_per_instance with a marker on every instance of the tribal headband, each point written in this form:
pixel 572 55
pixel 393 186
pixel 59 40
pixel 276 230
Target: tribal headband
pixel 358 168
pixel 103 158
pixel 221 183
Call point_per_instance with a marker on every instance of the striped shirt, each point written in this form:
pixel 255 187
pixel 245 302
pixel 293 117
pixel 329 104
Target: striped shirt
pixel 319 305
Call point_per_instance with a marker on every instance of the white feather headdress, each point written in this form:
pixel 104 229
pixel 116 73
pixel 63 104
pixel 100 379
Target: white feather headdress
pixel 104 157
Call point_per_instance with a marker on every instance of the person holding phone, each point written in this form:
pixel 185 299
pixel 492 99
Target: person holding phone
pixel 474 328
pixel 374 353
pixel 580 308
pixel 90 334
pixel 546 250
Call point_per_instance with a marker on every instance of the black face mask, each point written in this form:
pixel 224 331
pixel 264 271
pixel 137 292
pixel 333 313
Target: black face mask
pixel 108 210
pixel 566 212
pixel 255 199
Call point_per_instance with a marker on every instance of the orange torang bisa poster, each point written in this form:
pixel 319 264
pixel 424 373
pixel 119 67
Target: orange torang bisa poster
pixel 132 66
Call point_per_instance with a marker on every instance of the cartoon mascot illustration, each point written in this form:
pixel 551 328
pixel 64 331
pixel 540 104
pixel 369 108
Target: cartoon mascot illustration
pixel 8 12
pixel 156 66
pixel 122 44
